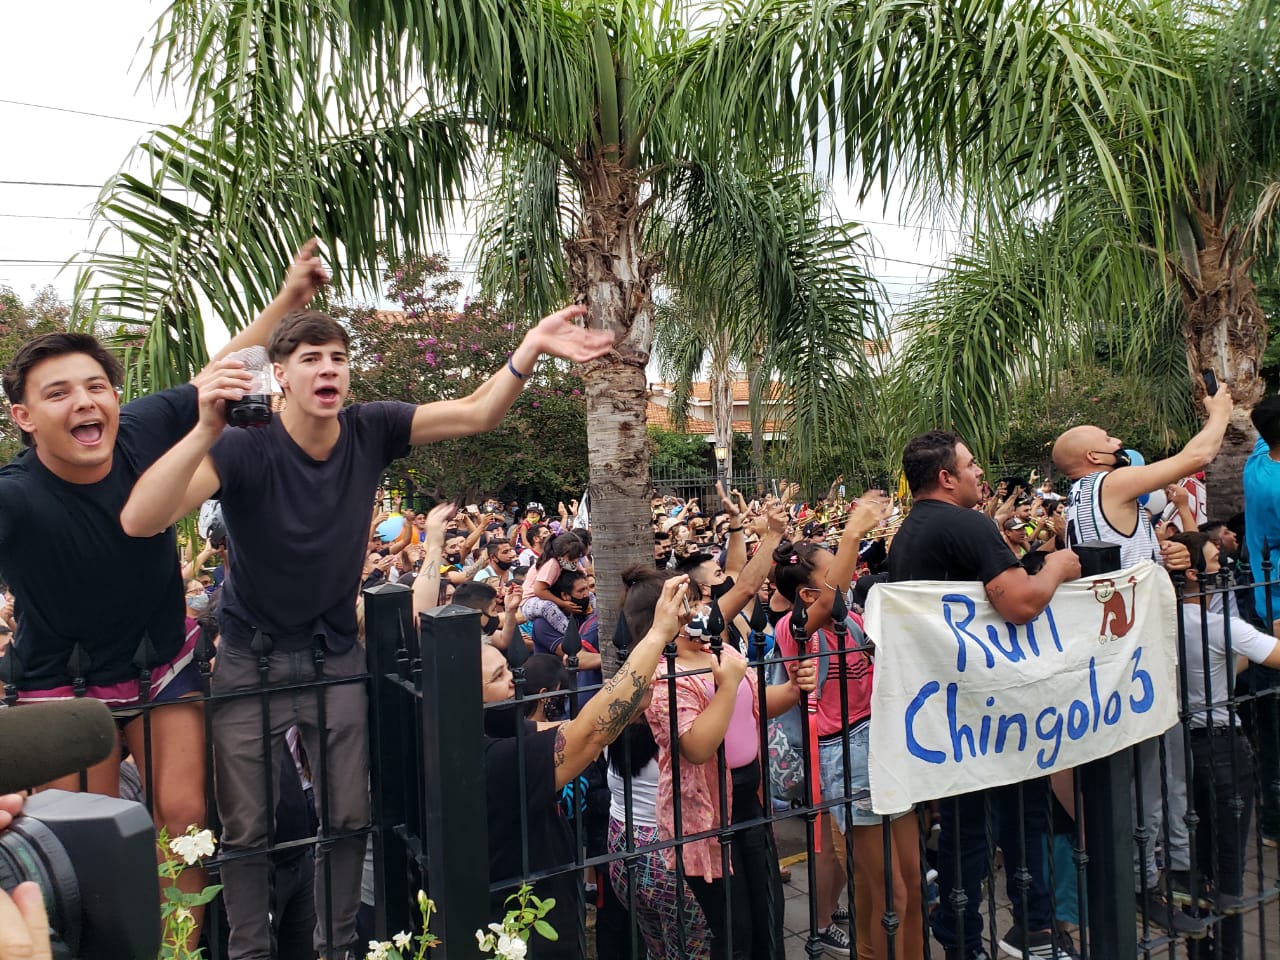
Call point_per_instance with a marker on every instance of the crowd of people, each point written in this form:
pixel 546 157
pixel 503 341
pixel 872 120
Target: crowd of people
pixel 746 624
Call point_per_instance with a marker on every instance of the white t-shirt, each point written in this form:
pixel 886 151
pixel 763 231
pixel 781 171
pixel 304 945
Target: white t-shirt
pixel 1246 641
pixel 644 796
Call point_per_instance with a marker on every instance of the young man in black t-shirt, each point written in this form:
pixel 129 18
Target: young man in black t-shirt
pixel 295 499
pixel 944 538
pixel 93 604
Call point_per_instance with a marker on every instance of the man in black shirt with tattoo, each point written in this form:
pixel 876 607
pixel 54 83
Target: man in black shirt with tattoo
pixel 944 538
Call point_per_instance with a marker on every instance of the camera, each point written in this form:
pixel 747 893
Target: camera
pixel 94 859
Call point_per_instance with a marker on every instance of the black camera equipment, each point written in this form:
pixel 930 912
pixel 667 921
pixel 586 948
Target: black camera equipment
pixel 94 860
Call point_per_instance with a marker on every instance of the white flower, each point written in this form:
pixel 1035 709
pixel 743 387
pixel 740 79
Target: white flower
pixel 182 914
pixel 402 940
pixel 377 950
pixel 423 902
pixel 482 939
pixel 192 847
pixel 204 843
pixel 513 948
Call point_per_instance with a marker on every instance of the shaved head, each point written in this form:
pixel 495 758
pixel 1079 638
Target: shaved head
pixel 1074 452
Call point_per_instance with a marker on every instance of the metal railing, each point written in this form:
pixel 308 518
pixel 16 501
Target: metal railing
pixel 433 816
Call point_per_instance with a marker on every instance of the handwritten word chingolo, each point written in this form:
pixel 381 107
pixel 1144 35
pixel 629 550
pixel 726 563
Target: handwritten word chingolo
pixel 964 700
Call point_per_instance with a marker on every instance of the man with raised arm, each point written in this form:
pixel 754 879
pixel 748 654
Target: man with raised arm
pixel 1103 505
pixel 95 606
pixel 295 498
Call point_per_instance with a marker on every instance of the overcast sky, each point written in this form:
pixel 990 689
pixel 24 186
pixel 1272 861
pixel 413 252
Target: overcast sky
pixel 83 56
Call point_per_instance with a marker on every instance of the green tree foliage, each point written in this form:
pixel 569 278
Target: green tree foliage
pixel 674 454
pixel 19 322
pixel 433 351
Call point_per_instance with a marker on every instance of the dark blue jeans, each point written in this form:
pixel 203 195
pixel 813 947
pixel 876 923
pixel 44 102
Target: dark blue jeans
pixel 1222 765
pixel 964 855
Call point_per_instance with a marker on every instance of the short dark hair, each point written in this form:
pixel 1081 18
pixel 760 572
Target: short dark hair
pixel 1195 542
pixel 495 544
pixel 304 326
pixel 1266 420
pixel 568 579
pixel 48 345
pixel 927 455
pixel 692 562
pixel 474 594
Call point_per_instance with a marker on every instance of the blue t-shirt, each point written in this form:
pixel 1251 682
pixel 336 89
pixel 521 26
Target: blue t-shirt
pixel 1262 523
pixel 298 528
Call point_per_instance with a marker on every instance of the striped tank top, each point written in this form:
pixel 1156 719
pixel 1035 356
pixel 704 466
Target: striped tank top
pixel 1085 521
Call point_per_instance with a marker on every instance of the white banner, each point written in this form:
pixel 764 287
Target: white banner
pixel 964 700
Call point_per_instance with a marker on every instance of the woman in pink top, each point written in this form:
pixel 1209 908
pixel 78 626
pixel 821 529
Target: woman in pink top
pixel 715 704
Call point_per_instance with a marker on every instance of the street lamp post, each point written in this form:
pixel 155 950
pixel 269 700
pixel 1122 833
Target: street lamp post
pixel 722 458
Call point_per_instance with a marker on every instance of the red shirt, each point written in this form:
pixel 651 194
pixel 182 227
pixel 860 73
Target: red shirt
pixel 857 683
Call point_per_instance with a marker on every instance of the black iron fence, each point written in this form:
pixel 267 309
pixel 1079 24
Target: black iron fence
pixel 1204 882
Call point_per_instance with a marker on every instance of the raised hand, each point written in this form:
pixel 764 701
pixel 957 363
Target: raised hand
pixel 672 610
pixel 873 508
pixel 222 380
pixel 305 277
pixel 558 336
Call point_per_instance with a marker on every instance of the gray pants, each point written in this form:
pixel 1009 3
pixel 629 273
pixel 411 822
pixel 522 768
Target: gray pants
pixel 240 785
pixel 1177 851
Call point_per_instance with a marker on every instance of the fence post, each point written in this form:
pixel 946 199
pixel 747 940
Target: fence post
pixel 388 618
pixel 455 807
pixel 1108 820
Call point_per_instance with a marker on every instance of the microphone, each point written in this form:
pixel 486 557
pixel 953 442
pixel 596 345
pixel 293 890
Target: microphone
pixel 44 741
pixel 254 408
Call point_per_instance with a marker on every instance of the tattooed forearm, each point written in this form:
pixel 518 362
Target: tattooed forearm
pixel 559 747
pixel 620 709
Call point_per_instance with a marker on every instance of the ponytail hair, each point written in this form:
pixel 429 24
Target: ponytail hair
pixel 793 566
pixel 643 588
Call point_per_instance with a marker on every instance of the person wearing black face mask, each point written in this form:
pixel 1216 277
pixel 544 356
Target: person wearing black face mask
pixel 554 755
pixel 573 586
pixel 733 593
pixel 662 550
pixel 496 628
pixel 502 557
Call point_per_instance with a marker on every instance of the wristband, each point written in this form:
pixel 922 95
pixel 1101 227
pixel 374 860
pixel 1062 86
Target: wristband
pixel 734 529
pixel 516 373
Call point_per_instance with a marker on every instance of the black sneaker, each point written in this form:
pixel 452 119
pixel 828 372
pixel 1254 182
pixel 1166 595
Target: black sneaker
pixel 834 941
pixel 840 915
pixel 955 953
pixel 1041 945
pixel 1229 903
pixel 1159 912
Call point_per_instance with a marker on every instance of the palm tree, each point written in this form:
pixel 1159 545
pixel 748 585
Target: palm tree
pixel 592 123
pixel 702 327
pixel 367 123
pixel 1149 231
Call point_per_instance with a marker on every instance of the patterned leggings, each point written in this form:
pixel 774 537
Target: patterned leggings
pixel 537 607
pixel 656 900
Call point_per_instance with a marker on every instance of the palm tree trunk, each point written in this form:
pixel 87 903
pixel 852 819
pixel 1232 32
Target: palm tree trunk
pixel 1225 331
pixel 609 268
pixel 722 398
pixel 755 377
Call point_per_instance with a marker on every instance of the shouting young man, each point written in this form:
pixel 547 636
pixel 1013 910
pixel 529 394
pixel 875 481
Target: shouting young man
pixel 295 499
pixel 95 606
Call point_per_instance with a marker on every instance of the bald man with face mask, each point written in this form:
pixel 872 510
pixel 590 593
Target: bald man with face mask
pixel 1103 505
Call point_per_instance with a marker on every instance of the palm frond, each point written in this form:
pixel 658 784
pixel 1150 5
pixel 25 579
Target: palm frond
pixel 519 241
pixel 214 226
pixel 794 281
